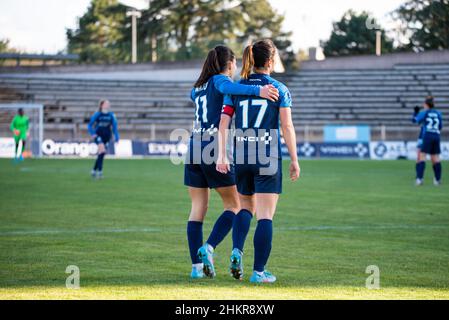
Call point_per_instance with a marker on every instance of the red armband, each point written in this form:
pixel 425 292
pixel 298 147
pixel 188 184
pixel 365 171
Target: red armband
pixel 228 110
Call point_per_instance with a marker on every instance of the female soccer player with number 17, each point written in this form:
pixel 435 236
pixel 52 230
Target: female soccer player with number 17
pixel 258 183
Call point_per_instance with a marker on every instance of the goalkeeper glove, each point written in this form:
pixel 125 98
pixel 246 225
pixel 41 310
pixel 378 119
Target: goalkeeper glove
pixel 417 109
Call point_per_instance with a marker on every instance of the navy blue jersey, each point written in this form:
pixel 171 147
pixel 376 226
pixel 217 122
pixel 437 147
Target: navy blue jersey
pixel 431 122
pixel 102 125
pixel 252 112
pixel 208 101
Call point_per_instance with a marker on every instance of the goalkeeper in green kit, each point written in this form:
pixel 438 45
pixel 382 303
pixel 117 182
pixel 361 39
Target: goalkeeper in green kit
pixel 19 127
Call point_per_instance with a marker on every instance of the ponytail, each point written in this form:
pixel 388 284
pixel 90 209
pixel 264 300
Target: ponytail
pixel 215 63
pixel 248 62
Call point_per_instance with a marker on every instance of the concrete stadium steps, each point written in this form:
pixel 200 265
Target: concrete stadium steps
pixel 373 97
pixel 69 104
pixel 9 94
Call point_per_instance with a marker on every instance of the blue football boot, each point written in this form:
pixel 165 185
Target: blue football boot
pixel 236 267
pixel 197 273
pixel 206 254
pixel 264 277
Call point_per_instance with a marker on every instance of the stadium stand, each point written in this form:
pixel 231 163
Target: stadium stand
pixel 373 97
pixel 148 109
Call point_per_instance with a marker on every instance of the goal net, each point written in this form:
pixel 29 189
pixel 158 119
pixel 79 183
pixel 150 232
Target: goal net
pixel 33 146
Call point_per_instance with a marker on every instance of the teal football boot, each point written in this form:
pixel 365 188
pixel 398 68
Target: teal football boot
pixel 265 277
pixel 197 273
pixel 206 254
pixel 236 267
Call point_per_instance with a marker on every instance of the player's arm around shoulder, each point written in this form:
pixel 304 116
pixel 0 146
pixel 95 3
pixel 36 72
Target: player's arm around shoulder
pixel 226 86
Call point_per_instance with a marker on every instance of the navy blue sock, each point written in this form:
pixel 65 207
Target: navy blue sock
pixel 221 228
pixel 195 239
pixel 96 162
pixel 262 244
pixel 420 167
pixel 240 228
pixel 100 161
pixel 437 171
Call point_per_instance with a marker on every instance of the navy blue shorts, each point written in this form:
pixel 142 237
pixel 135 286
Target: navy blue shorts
pixel 207 176
pixel 431 144
pixel 102 140
pixel 250 180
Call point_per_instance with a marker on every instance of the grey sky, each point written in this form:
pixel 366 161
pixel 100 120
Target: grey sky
pixel 39 25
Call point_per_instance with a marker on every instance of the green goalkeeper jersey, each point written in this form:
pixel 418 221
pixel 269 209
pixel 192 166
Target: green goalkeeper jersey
pixel 20 123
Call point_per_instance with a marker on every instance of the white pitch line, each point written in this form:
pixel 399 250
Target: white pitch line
pixel 181 229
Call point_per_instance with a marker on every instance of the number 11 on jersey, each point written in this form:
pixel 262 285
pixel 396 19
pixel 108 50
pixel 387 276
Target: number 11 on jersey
pixel 201 103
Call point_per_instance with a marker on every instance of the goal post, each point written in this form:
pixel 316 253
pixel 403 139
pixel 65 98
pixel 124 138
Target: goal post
pixel 35 112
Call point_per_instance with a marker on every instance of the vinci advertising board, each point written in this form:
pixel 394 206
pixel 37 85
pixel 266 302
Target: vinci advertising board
pixel 331 150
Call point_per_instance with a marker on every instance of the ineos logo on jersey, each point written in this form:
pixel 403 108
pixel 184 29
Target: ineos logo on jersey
pixel 265 139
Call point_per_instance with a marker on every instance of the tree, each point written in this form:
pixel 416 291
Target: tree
pixel 425 23
pixel 194 26
pixel 5 47
pixel 351 36
pixel 100 35
pixel 181 29
pixel 262 21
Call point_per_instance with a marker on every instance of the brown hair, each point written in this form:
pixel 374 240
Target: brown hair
pixel 101 103
pixel 429 102
pixel 256 56
pixel 216 62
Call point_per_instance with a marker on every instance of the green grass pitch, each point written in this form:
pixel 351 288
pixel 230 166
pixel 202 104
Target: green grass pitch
pixel 126 233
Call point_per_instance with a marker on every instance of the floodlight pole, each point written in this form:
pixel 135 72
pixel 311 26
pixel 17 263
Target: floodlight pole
pixel 378 43
pixel 134 14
